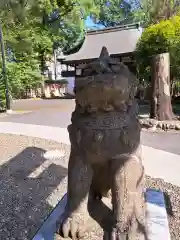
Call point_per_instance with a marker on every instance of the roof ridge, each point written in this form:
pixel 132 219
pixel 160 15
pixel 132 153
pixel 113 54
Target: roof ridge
pixel 114 29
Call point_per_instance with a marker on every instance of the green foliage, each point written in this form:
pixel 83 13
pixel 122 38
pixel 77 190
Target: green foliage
pixel 39 25
pixel 113 12
pixel 153 11
pixel 22 76
pixel 32 29
pixel 156 39
pixel 118 12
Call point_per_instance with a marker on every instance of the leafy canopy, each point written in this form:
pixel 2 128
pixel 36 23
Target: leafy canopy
pixel 153 11
pixel 118 12
pixel 113 12
pixel 32 29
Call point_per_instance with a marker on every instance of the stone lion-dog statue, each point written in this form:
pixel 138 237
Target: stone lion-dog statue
pixel 105 150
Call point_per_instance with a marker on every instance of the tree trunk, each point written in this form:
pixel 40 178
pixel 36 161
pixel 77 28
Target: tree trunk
pixel 161 107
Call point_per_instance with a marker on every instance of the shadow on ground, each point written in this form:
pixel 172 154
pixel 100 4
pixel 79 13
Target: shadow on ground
pixel 144 109
pixel 23 205
pixel 66 96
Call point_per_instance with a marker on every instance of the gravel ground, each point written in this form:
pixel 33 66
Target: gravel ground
pixel 32 185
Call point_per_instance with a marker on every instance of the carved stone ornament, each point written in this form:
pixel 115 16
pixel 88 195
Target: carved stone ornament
pixel 105 157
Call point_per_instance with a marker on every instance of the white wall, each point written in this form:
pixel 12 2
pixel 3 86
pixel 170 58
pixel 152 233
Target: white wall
pixel 59 69
pixel 70 86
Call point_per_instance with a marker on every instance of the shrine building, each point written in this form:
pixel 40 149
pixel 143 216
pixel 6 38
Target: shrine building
pixel 120 42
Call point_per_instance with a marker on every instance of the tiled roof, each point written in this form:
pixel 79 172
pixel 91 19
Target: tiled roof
pixel 117 40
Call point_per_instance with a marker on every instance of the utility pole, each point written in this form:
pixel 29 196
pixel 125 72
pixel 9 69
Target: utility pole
pixel 4 72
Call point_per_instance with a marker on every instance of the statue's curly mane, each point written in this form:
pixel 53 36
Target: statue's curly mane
pixel 105 85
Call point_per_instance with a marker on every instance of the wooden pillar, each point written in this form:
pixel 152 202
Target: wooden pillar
pixel 161 107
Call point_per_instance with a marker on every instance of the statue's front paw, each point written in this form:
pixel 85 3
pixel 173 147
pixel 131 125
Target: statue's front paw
pixel 116 234
pixel 72 226
pixel 69 228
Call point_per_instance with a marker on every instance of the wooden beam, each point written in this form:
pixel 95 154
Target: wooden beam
pixel 71 73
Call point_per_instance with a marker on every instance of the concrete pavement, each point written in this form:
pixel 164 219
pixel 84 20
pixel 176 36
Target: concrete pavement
pixel 45 132
pixel 44 117
pixel 158 163
pixel 165 141
pixel 39 104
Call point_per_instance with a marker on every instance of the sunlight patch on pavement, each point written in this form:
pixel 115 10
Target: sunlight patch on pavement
pixel 52 156
pixel 39 170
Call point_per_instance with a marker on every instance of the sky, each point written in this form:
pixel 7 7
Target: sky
pixel 90 24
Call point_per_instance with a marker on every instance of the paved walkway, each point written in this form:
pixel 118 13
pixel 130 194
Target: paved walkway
pixel 57 113
pixel 158 163
pixel 55 117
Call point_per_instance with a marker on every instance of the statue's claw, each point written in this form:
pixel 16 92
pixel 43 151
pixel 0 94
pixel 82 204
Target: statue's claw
pixel 69 228
pixel 73 226
pixel 117 235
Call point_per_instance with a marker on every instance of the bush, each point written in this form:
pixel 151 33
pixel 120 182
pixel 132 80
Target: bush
pixel 159 38
pixel 22 76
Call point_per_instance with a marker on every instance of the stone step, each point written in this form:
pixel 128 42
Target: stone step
pixel 157 221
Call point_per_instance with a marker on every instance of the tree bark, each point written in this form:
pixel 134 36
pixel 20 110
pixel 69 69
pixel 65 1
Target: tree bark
pixel 161 107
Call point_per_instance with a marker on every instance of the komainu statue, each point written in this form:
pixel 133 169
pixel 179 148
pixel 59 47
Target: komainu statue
pixel 105 150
